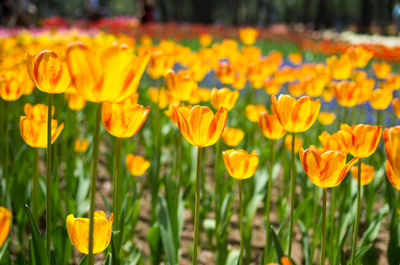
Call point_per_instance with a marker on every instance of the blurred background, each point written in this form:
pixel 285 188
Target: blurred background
pixel 364 16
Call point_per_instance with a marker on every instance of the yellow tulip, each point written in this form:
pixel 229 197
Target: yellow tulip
pixel 81 146
pixel 248 35
pixel 232 136
pixel 223 98
pixel 326 118
pixel 33 126
pixel 253 112
pixel 391 138
pixel 199 125
pixel 295 58
pixel 296 115
pixel 239 163
pixel 325 170
pixel 5 224
pixel 393 177
pixel 298 143
pixel 362 140
pixel 124 119
pixel 335 142
pixel 78 232
pixel 110 74
pixel 396 107
pixel 381 70
pixel 270 126
pixel 159 64
pixel 48 72
pixel 205 39
pixel 136 165
pixel 180 85
pixel 367 174
pixel 380 99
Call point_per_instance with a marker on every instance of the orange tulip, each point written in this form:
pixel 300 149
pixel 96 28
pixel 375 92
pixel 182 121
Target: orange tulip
pixel 392 176
pixel 296 115
pixel 81 145
pixel 223 98
pixel 362 140
pixel 271 86
pixel 253 111
pixel 380 99
pixel 124 119
pixel 248 35
pixel 136 165
pixel 199 125
pixel 381 70
pixel 298 143
pixel 326 118
pixel 325 170
pixel 225 73
pixel 396 107
pixel 391 138
pixel 334 142
pixel 295 58
pixel 296 89
pixel 180 85
pixel 205 39
pixel 33 126
pixel 232 136
pixel 367 173
pixel 111 74
pixel 154 93
pixel 5 224
pixel 270 126
pixel 341 68
pixel 48 72
pixel 360 56
pixel 239 82
pixel 78 232
pixel 239 163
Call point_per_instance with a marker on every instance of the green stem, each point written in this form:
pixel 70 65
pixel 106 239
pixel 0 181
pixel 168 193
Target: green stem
pixel 338 118
pixel 49 179
pixel 378 117
pixel 197 206
pixel 217 183
pixel 6 151
pixel 241 222
pixel 292 195
pixel 35 185
pixel 93 180
pixel 268 202
pixel 117 182
pixel 332 221
pixel 323 242
pixel 357 223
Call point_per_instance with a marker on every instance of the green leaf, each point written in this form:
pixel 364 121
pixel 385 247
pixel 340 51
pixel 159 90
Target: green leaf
pixel 361 253
pixel 167 236
pixel 108 260
pixel 84 260
pixel 37 240
pixel 114 250
pixel 277 243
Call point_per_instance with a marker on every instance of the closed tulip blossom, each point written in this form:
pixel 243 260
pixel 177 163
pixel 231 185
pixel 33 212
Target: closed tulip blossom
pixel 124 119
pixel 296 115
pixel 159 64
pixel 270 126
pixel 180 85
pixel 108 74
pixel 347 93
pixel 326 118
pixel 248 35
pixel 240 164
pixel 367 174
pixel 33 126
pixel 253 112
pixel 298 143
pixel 396 107
pixel 205 39
pixel 199 125
pixel 78 232
pixel 362 140
pixel 391 138
pixel 380 99
pixel 381 70
pixel 136 165
pixel 48 72
pixel 224 98
pixel 81 145
pixel 75 101
pixel 5 224
pixel 10 87
pixel 392 176
pixel 232 136
pixel 325 170
pixel 334 142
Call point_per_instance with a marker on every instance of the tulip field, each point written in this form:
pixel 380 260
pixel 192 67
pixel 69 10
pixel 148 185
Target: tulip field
pixel 188 144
